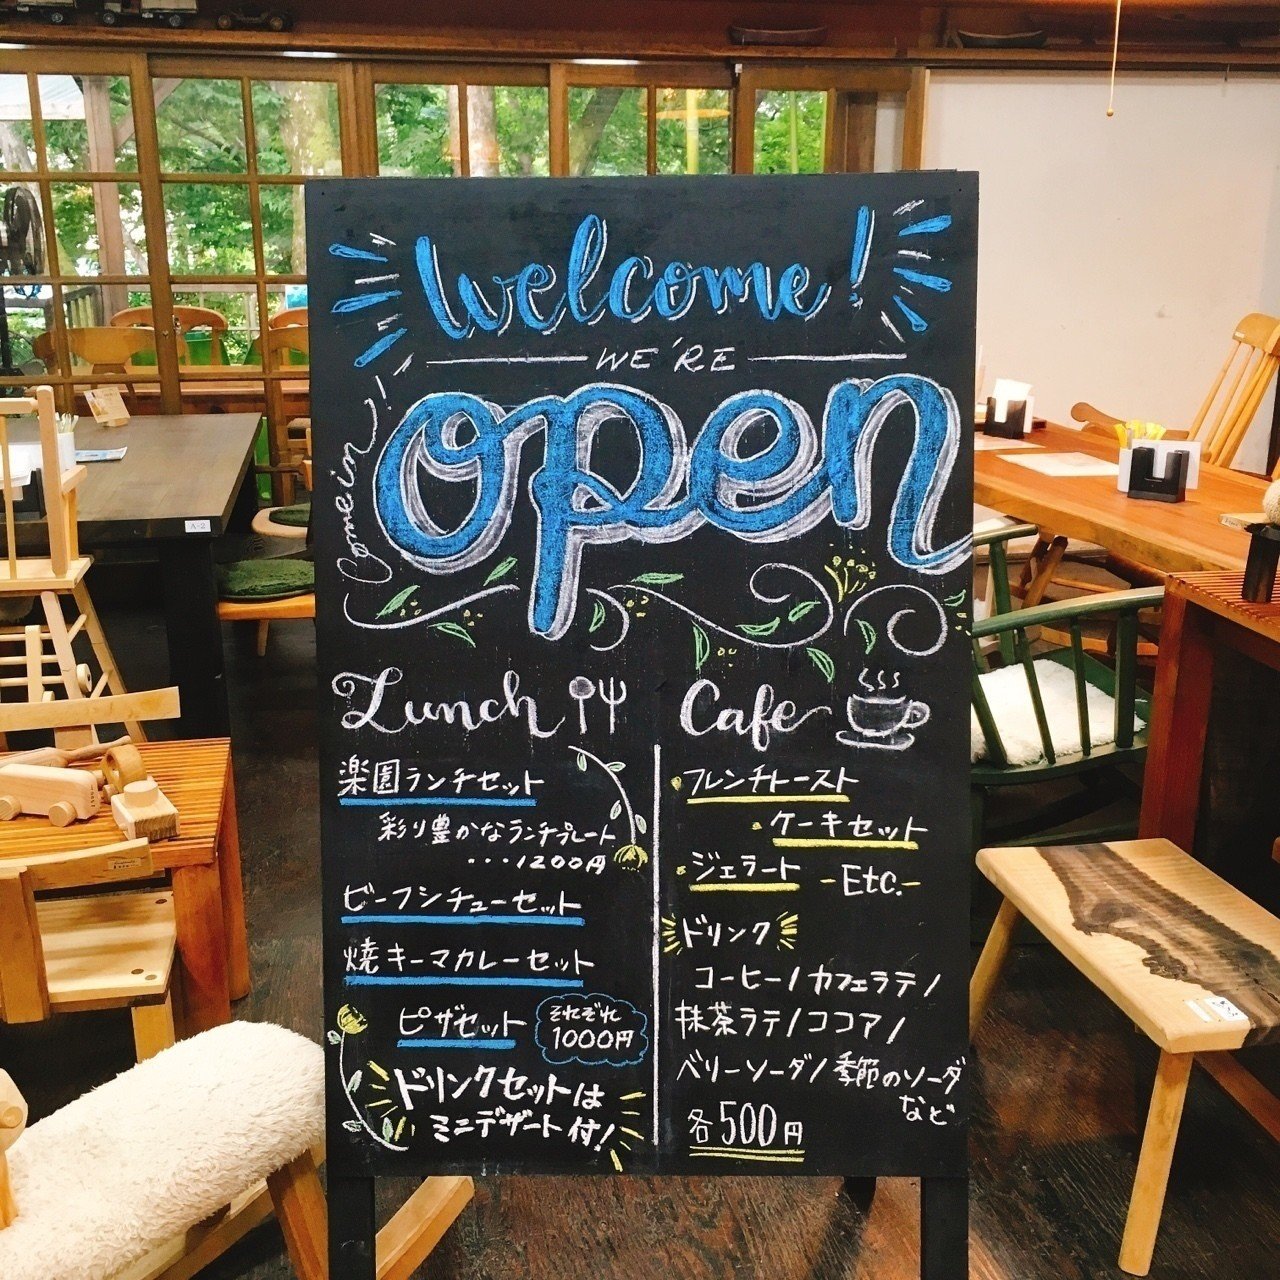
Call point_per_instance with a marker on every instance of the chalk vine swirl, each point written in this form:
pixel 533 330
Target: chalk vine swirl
pixel 934 610
pixel 809 595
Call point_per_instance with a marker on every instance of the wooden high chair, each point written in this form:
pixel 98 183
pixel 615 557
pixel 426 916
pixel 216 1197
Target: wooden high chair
pixel 28 650
pixel 104 951
pixel 1224 417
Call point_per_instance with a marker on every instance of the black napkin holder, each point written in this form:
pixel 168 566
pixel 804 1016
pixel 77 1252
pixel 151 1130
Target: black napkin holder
pixel 1012 428
pixel 1260 567
pixel 1144 483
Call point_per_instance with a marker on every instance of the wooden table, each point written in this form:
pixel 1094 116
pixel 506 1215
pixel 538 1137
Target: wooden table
pixel 204 862
pixel 174 491
pixel 1202 612
pixel 1169 536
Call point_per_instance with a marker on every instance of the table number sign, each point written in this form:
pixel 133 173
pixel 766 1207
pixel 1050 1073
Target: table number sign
pixel 643 565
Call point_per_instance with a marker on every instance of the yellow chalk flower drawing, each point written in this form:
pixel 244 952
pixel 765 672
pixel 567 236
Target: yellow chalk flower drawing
pixel 391 1127
pixel 631 855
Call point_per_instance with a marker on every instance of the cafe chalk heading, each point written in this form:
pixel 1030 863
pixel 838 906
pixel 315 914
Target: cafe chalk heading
pixel 642 540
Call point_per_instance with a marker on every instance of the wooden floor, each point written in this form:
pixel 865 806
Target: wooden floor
pixel 1060 1084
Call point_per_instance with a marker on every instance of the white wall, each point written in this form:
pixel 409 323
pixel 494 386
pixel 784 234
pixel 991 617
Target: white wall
pixel 1117 255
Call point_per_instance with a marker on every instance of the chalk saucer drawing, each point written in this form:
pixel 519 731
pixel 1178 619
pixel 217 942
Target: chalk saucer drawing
pixel 631 855
pixel 352 1023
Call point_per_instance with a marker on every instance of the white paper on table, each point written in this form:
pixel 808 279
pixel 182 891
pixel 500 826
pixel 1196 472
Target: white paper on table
pixel 998 444
pixel 23 460
pixel 1068 464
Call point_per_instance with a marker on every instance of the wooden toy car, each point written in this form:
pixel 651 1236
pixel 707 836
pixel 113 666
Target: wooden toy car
pixel 247 16
pixel 62 795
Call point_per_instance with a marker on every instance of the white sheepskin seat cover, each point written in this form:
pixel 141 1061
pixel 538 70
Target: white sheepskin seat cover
pixel 162 1146
pixel 1009 697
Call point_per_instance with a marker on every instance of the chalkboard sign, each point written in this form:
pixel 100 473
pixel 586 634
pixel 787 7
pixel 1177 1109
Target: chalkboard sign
pixel 643 562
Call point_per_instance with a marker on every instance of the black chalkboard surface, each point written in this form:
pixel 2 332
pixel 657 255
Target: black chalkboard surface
pixel 642 530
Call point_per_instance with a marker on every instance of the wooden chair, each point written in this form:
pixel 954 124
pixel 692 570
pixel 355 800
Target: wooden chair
pixel 185 319
pixel 53 578
pixel 300 605
pixel 292 437
pixel 74 954
pixel 290 316
pixel 108 350
pixel 1061 714
pixel 1190 960
pixel 192 1150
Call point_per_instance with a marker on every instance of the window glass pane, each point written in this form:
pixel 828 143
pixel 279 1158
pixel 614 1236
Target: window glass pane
pixel 284 233
pixel 209 228
pixel 17 140
pixel 507 131
pixel 791 127
pixel 693 131
pixel 607 131
pixel 201 126
pixel 30 313
pixel 98 228
pixel 218 324
pixel 417 130
pixel 88 122
pixel 295 124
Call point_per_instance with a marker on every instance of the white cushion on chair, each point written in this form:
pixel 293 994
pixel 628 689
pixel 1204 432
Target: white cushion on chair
pixel 1009 697
pixel 129 1166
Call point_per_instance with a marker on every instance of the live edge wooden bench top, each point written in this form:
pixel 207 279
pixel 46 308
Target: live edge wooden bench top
pixel 192 774
pixel 1194 962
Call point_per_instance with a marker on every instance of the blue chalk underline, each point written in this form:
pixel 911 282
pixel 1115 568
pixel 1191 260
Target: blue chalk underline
pixel 533 919
pixel 455 1044
pixel 456 802
pixel 363 980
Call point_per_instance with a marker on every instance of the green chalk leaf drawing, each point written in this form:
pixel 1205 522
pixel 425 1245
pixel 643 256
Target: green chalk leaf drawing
pixel 388 1130
pixel 334 1038
pixel 955 601
pixel 354 1083
pixel 798 611
pixel 582 761
pixel 701 647
pixel 597 617
pixel 400 598
pixel 616 811
pixel 616 766
pixel 501 570
pixel 822 660
pixel 352 1126
pixel 641 825
pixel 868 634
pixel 455 629
pixel 760 628
pixel 657 579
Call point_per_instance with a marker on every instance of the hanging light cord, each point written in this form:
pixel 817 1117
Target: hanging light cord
pixel 1115 54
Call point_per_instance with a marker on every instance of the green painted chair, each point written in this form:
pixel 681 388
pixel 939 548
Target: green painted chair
pixel 1043 714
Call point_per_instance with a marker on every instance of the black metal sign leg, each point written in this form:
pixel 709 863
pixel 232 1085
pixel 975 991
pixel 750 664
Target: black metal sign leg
pixel 352 1229
pixel 944 1229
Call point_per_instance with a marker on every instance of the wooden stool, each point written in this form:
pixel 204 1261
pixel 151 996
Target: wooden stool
pixel 1191 960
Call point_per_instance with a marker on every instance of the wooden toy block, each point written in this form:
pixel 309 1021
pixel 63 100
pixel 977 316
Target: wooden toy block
pixel 63 795
pixel 142 809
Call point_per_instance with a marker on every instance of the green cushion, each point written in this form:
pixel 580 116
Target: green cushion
pixel 265 579
pixel 296 517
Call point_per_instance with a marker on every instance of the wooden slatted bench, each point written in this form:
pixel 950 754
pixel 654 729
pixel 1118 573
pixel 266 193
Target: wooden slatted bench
pixel 1192 961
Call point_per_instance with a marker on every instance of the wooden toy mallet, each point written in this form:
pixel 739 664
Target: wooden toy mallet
pixel 13 1120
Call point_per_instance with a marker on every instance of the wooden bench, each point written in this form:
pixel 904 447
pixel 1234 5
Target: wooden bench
pixel 1192 961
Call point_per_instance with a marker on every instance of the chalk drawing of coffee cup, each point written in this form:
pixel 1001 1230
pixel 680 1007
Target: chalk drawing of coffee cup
pixel 883 724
